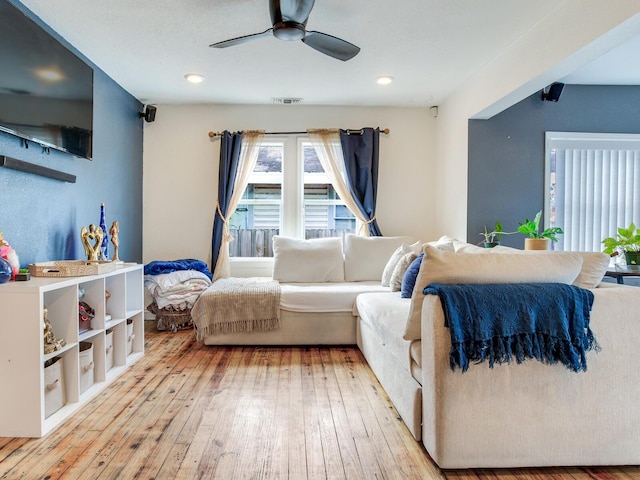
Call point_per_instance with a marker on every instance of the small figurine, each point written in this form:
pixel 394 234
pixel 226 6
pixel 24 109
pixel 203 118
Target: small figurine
pixel 51 343
pixel 104 245
pixel 113 231
pixel 93 233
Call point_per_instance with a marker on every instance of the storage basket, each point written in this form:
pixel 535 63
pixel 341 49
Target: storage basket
pixel 130 336
pixel 108 342
pixel 54 394
pixel 86 366
pixel 171 317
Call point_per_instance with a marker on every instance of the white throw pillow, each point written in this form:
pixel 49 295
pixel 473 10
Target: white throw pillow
pixel 445 267
pixel 594 265
pixel 395 258
pixel 308 261
pixel 462 247
pixel 366 257
pixel 445 243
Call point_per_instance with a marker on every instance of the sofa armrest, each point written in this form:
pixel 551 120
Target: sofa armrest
pixel 533 414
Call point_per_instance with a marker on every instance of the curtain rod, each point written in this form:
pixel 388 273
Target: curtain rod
pixel 386 131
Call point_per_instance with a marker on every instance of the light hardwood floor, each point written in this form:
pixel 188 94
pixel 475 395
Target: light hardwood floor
pixel 188 411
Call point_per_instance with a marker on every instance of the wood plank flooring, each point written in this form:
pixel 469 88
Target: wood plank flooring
pixel 188 411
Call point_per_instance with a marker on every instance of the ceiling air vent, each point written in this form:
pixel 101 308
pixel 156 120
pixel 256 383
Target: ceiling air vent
pixel 286 101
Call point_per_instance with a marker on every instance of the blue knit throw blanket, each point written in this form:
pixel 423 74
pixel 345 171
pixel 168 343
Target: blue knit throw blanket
pixel 157 267
pixel 502 322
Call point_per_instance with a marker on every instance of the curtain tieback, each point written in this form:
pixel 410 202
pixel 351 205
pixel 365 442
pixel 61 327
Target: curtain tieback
pixel 226 234
pixel 367 222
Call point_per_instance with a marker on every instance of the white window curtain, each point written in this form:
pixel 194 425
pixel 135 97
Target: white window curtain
pixel 596 188
pixel 326 143
pixel 251 140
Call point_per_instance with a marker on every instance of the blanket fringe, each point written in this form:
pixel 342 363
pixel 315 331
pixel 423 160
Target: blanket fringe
pixel 238 326
pixel 521 347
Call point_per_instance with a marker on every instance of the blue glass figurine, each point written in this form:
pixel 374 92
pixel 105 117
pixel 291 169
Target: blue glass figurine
pixel 104 247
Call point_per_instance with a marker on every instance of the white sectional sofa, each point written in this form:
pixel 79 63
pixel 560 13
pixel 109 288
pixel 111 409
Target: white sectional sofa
pixel 527 414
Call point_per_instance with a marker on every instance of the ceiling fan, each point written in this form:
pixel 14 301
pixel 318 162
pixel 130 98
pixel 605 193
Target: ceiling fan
pixel 289 20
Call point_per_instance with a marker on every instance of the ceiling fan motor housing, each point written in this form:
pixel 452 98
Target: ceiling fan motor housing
pixel 288 22
pixel 289 31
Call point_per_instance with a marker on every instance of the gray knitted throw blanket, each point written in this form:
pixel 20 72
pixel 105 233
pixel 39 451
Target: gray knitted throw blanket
pixel 233 305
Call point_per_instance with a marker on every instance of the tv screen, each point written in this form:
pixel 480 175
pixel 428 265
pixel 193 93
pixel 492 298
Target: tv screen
pixel 46 92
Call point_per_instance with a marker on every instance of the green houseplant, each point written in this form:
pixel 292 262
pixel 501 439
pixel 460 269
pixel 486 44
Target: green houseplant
pixel 627 241
pixel 538 240
pixel 492 238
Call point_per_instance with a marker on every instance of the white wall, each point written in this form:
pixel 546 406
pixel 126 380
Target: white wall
pixel 573 34
pixel 181 168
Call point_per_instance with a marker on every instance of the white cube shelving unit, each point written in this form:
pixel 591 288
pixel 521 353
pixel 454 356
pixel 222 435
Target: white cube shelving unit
pixel 22 358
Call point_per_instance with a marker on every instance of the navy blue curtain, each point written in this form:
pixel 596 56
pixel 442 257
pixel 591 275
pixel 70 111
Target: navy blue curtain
pixel 230 144
pixel 361 157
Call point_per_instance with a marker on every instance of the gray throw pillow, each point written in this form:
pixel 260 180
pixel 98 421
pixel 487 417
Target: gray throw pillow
pixel 398 273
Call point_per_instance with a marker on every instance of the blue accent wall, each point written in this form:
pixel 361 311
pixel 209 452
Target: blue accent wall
pixel 506 152
pixel 41 218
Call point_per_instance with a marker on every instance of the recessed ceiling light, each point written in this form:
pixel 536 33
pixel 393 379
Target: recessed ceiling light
pixel 194 77
pixel 49 74
pixel 384 80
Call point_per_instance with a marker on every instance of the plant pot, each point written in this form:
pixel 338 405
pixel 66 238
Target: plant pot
pixel 633 260
pixel 490 244
pixel 537 244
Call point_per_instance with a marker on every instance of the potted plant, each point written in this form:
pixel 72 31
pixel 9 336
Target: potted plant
pixel 538 240
pixel 626 241
pixel 492 238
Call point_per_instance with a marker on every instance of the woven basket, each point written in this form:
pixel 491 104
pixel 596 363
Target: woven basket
pixel 171 317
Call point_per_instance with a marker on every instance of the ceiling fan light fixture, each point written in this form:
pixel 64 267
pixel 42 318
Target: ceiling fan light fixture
pixel 384 80
pixel 194 77
pixel 289 31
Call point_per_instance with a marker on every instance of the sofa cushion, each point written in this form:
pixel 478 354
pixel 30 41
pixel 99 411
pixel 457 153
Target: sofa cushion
pixel 366 257
pixel 409 278
pixel 594 266
pixel 401 268
pixel 445 243
pixel 446 267
pixel 326 296
pixel 463 247
pixel 384 314
pixel 316 260
pixel 395 258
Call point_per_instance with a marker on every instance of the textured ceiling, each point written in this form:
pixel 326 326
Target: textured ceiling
pixel 429 46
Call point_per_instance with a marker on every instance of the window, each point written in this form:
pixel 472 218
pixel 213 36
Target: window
pixel 592 185
pixel 288 194
pixel 257 217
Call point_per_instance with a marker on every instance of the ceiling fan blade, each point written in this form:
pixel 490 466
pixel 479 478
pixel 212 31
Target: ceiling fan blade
pixel 238 40
pixel 329 45
pixel 290 10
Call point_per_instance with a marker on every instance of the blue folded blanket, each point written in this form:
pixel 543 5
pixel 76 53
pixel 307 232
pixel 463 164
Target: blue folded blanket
pixel 501 322
pixel 158 267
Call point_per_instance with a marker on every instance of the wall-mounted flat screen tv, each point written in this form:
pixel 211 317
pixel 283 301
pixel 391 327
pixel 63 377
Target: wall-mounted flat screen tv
pixel 46 91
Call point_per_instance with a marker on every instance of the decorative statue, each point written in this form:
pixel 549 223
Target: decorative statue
pixel 104 246
pixel 96 235
pixel 113 231
pixel 51 343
